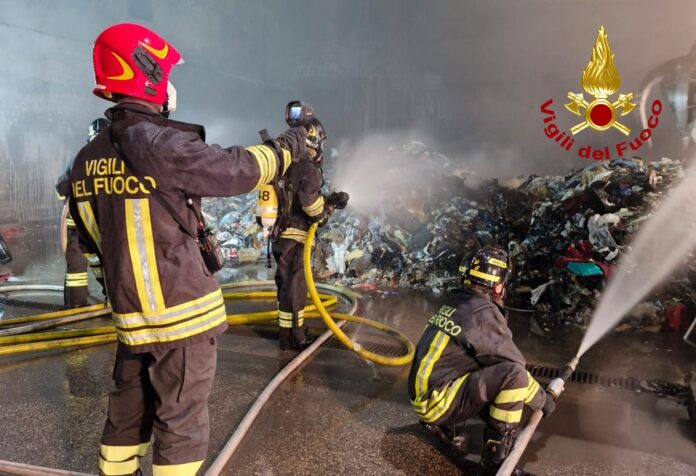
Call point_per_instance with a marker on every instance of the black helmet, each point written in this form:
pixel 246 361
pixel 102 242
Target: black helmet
pixel 96 127
pixel 315 137
pixel 486 266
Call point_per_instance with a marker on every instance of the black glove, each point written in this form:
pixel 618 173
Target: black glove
pixel 549 405
pixel 338 200
pixel 294 140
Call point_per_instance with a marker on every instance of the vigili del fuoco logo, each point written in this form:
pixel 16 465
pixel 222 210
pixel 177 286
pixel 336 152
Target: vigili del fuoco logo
pixel 601 81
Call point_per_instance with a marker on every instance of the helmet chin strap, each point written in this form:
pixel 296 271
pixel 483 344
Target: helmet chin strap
pixel 169 105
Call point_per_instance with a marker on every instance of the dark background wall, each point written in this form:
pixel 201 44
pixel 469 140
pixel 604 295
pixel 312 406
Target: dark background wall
pixel 467 76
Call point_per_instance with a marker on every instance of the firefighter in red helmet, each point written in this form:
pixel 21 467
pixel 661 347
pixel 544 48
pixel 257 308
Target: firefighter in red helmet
pixel 135 197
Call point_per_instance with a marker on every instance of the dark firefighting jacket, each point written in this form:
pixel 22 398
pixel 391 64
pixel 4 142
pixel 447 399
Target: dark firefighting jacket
pixel 468 333
pixel 63 191
pixel 304 181
pixel 161 292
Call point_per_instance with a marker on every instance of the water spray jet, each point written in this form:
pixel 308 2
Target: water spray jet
pixel 658 248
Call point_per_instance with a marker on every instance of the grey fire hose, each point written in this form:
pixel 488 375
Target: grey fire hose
pixel 555 388
pixel 225 454
pixel 248 419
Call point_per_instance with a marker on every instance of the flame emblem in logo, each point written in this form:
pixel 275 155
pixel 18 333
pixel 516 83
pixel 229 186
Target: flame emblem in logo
pixel 600 79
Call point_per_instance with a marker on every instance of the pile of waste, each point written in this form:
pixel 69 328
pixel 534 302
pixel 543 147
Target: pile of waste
pixel 564 234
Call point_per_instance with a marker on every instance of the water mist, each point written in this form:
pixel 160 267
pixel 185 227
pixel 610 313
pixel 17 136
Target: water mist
pixel 378 170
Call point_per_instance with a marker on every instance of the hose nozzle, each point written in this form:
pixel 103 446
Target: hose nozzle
pixel 557 385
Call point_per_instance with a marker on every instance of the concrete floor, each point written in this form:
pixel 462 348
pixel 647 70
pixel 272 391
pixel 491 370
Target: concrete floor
pixel 341 415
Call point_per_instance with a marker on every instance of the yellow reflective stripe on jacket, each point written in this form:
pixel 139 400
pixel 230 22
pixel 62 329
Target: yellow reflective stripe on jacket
pixel 294 234
pixel 532 388
pixel 170 333
pixel 266 160
pixel 70 222
pixel 315 208
pixel 261 161
pixel 287 160
pixel 141 246
pixel 87 216
pixel 185 469
pixel 437 345
pixel 171 314
pixel 507 416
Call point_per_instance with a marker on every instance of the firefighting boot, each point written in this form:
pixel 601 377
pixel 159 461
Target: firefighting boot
pixel 285 338
pixel 448 436
pixel 295 338
pixel 300 338
pixel 497 443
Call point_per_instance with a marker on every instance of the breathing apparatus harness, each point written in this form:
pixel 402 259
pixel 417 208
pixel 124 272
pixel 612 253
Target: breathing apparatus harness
pixel 275 198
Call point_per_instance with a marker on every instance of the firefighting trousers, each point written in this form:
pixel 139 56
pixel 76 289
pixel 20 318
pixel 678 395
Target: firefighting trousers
pixel 292 290
pixel 162 394
pixel 498 392
pixel 76 290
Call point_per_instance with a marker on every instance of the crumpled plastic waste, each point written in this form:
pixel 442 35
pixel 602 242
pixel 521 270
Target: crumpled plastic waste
pixel 677 317
pixel 418 238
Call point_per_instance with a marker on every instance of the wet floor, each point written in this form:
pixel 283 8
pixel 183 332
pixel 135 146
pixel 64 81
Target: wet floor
pixel 341 415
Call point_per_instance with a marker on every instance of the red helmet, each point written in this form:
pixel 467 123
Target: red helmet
pixel 131 60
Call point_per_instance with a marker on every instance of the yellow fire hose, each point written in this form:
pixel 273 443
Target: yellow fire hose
pixel 20 340
pixel 72 338
pixel 52 315
pixel 345 340
pixel 17 339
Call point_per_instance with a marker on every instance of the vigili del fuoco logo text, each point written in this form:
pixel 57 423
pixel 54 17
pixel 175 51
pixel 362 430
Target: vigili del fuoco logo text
pixel 601 81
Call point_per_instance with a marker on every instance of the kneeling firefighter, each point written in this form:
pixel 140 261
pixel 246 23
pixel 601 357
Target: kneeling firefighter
pixel 466 364
pixel 301 205
pixel 75 285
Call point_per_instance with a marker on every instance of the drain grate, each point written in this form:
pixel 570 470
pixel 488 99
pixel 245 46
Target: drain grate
pixel 659 387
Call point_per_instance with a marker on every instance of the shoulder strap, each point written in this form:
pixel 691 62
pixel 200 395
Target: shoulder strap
pixel 154 192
